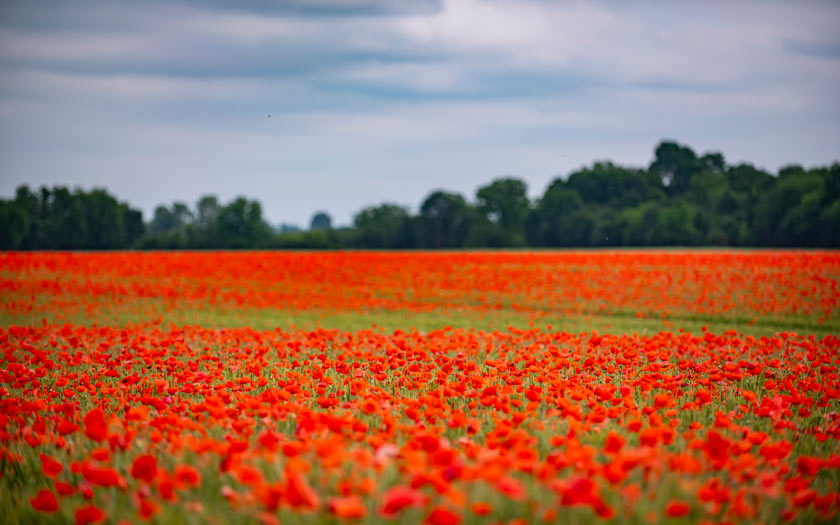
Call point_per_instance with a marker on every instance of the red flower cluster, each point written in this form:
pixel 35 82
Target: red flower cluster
pixel 668 283
pixel 137 422
pixel 111 423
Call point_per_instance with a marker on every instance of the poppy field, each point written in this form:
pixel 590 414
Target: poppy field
pixel 440 388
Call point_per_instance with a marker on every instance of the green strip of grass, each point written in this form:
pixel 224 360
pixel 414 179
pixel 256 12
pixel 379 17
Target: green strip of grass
pixel 156 312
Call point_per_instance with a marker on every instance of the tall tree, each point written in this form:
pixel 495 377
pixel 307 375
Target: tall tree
pixel 616 186
pixel 65 221
pixel 713 161
pixel 560 218
pixel 504 202
pixel 168 219
pixel 133 224
pixel 104 219
pixel 240 225
pixel 383 226
pixel 321 221
pixel 207 211
pixel 788 214
pixel 14 225
pixel 676 165
pixel 31 203
pixel 444 220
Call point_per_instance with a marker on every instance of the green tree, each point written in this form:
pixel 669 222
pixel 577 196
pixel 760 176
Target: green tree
pixel 207 210
pixel 31 204
pixel 789 214
pixel 713 161
pixel 104 220
pixel 607 228
pixel 14 225
pixel 504 205
pixel 560 218
pixel 383 226
pixel 162 221
pixel 830 214
pixel 676 165
pixel 444 220
pixel 708 190
pixel 830 218
pixel 240 224
pixel 133 223
pixel 166 220
pixel 677 226
pixel 749 180
pixel 653 224
pixel 616 186
pixel 65 223
pixel 206 214
pixel 321 221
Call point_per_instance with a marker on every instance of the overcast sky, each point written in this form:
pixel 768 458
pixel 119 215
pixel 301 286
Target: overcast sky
pixel 374 101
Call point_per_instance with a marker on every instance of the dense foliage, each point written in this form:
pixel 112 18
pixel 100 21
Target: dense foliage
pixel 59 219
pixel 680 199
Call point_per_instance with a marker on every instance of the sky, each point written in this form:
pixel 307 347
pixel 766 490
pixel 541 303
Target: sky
pixel 385 101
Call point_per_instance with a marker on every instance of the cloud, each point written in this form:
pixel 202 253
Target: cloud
pixel 374 101
pixel 817 49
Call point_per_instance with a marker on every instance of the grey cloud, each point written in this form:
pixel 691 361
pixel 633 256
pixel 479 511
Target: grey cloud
pixel 817 49
pixel 371 101
pixel 325 8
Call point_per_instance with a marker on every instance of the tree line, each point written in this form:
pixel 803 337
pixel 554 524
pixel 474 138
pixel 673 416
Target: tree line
pixel 680 199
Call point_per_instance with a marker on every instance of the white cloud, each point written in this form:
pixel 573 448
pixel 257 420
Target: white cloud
pixel 172 104
pixel 526 33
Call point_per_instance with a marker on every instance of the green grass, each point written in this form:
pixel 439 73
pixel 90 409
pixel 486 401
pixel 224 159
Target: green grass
pixel 155 311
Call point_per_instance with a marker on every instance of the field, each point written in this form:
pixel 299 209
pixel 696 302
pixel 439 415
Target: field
pixel 476 387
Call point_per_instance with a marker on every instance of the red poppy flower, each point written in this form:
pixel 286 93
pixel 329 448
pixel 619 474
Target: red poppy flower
pixel 95 426
pixel 49 466
pixel 675 509
pixel 45 501
pixel 397 498
pixel 349 507
pixel 144 468
pixel 89 514
pixel 299 493
pixel 442 516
